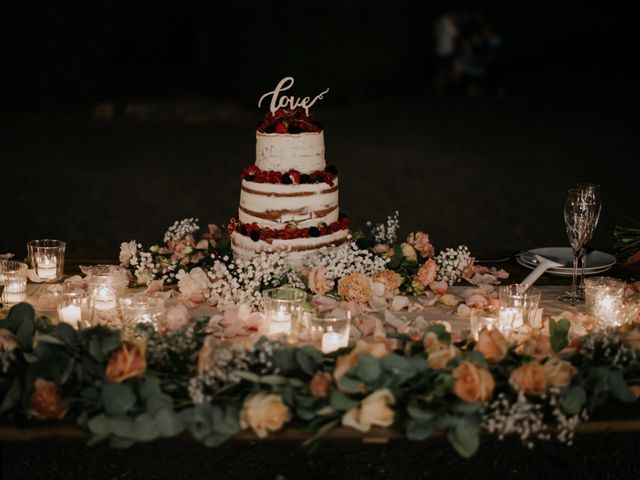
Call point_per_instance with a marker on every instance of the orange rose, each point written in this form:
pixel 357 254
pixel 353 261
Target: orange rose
pixel 473 383
pixel 420 241
pixel 127 362
pixel 46 401
pixel 493 345
pixel 320 385
pixel 536 345
pixel 390 279
pixel 427 272
pixel 530 379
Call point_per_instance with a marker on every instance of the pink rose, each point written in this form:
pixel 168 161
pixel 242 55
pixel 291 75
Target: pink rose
pixel 381 248
pixel 427 272
pixel 420 241
pixel 176 317
pixel 183 248
pixel 318 281
pixel 193 287
pixel 213 235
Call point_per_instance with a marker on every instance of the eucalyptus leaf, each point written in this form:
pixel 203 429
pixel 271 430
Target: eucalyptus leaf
pixel 466 408
pixel 341 402
pixel 24 335
pixel 572 400
pixel 169 423
pixel 419 429
pixel 119 442
pixel 99 425
pixel 121 426
pixel 350 384
pixel 215 439
pixel 465 437
pixel 250 376
pixel 20 313
pixel 368 368
pixel 157 402
pixel 220 421
pixel 273 380
pixel 619 387
pixel 559 332
pixel 46 338
pixel 306 362
pixel 419 414
pixel 12 397
pixel 118 398
pixel 145 428
pixel 150 386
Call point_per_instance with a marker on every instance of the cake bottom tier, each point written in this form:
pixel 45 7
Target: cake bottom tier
pixel 245 247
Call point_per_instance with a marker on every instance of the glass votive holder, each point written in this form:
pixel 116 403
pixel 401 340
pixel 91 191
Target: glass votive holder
pixel 483 318
pixel 105 284
pixel 604 301
pixel 330 330
pixel 13 282
pixel 46 258
pixel 518 306
pixel 283 308
pixel 140 308
pixel 72 305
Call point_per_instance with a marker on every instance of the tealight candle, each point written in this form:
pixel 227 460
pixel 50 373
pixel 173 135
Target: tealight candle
pixel 283 309
pixel 332 341
pixel 46 268
pixel 604 301
pixel 104 298
pixel 14 292
pixel 71 314
pixel 13 278
pixel 279 323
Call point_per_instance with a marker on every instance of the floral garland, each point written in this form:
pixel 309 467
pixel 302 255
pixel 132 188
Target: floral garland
pixel 160 386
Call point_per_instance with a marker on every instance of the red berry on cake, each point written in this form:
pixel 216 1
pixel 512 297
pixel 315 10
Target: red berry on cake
pixel 282 127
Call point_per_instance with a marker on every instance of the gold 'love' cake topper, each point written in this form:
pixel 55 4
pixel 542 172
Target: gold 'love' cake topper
pixel 291 102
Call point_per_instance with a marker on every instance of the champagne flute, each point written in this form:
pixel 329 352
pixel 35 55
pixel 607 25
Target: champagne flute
pixel 579 213
pixel 592 191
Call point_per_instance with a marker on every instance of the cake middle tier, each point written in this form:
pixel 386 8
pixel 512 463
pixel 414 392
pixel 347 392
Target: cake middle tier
pixel 276 205
pixel 303 152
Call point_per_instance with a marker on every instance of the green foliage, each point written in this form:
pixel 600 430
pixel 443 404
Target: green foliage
pixel 559 331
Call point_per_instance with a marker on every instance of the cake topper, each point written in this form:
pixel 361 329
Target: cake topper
pixel 289 102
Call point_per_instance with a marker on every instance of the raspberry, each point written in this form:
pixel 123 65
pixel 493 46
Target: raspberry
pixel 282 127
pixel 295 176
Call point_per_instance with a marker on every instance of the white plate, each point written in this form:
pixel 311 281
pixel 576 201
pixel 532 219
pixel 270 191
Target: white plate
pixel 595 259
pixel 562 272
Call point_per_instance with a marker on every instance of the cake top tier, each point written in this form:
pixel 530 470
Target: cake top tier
pixel 290 140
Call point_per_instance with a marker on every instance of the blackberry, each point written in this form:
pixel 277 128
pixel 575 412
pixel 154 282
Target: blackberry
pixel 314 232
pixel 305 178
pixel 286 179
pixel 250 178
pixel 331 169
pixel 255 236
pixel 242 229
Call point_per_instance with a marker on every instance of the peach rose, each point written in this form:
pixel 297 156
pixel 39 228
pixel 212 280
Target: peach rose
pixel 213 235
pixel 264 413
pixel 559 372
pixel 8 341
pixel 469 270
pixel 439 359
pixel 346 362
pixel 472 383
pixel 193 286
pixel 183 247
pixel 635 389
pixel 46 402
pixel 320 385
pixel 127 362
pixel 431 343
pixel 420 241
pixel 382 248
pixel 492 345
pixel 127 251
pixel 535 345
pixel 355 287
pixel 318 281
pixel 390 279
pixel 427 272
pixel 373 410
pixel 176 317
pixel 409 252
pixel 530 379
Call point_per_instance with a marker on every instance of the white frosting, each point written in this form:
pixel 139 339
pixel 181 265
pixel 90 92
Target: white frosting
pixel 244 247
pixel 282 152
pixel 306 210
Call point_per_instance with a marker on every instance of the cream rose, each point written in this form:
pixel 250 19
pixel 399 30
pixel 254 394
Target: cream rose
pixel 427 272
pixel 535 345
pixel 193 286
pixel 355 287
pixel 492 345
pixel 373 411
pixel 530 379
pixel 390 279
pixel 409 252
pixel 472 383
pixel 559 372
pixel 431 343
pixel 127 251
pixel 420 241
pixel 318 281
pixel 176 317
pixel 439 359
pixel 264 413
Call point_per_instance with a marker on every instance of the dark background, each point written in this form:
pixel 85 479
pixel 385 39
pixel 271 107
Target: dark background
pixel 119 117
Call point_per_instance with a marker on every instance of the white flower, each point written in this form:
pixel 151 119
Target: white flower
pixel 127 251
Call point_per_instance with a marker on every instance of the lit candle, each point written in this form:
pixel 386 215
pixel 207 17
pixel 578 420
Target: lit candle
pixel 71 314
pixel 104 299
pixel 332 341
pixel 46 268
pixel 608 310
pixel 280 323
pixel 15 292
pixel 509 318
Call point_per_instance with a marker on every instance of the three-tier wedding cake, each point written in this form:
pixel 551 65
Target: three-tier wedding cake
pixel 289 196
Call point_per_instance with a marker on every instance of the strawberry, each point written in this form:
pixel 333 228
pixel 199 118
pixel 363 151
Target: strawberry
pixel 282 127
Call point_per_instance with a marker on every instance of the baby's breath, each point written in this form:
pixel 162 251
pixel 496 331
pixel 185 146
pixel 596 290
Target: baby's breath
pixel 451 263
pixel 345 260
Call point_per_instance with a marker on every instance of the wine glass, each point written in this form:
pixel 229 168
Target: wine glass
pixel 579 216
pixel 591 190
